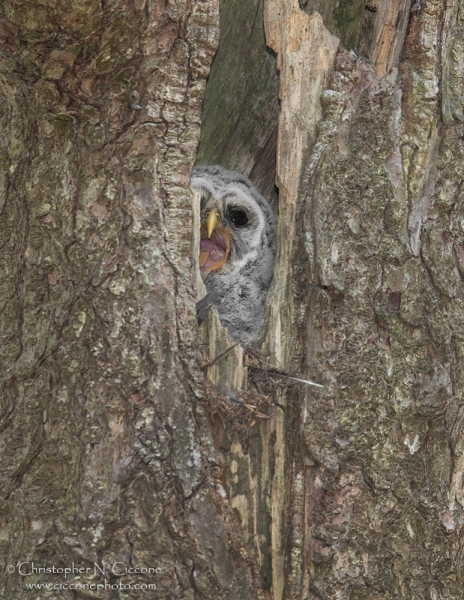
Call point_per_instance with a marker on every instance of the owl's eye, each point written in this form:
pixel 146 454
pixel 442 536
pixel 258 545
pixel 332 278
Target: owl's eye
pixel 239 218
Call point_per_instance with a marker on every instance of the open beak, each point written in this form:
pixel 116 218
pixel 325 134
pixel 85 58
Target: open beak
pixel 212 221
pixel 214 244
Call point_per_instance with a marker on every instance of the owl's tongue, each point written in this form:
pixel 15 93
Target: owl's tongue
pixel 214 251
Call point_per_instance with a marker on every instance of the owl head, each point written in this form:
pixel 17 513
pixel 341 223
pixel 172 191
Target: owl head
pixel 237 223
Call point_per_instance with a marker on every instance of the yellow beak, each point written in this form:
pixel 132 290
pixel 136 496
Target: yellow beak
pixel 212 221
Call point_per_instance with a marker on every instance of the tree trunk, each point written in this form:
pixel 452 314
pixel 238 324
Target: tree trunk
pixel 106 457
pixel 120 461
pixel 373 231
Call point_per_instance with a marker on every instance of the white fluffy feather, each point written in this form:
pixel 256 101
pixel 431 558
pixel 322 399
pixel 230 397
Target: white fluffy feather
pixel 243 282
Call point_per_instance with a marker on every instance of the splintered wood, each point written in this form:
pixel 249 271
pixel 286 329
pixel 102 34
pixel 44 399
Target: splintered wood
pixel 391 23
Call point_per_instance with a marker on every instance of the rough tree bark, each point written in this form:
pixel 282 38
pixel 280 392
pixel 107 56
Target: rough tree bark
pixel 114 447
pixel 105 452
pixel 376 248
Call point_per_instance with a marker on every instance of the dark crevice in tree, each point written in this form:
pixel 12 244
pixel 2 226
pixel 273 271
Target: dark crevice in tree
pixel 241 108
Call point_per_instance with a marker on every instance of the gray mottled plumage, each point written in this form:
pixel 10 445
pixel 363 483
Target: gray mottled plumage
pixel 242 282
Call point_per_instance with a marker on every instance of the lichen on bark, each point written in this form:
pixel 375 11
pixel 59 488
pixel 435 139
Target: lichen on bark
pixel 379 452
pixel 106 453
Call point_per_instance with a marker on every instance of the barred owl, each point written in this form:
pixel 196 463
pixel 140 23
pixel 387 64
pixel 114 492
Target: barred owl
pixel 237 248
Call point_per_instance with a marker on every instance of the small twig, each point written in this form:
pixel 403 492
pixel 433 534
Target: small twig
pixel 273 371
pixel 302 380
pixel 279 405
pixel 257 387
pixel 250 407
pixel 219 357
pixel 258 355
